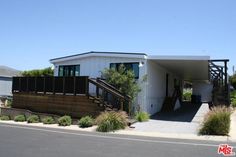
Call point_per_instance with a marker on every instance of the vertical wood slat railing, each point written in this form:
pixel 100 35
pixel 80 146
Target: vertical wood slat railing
pixel 51 85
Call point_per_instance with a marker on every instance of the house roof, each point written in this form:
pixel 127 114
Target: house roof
pixel 97 53
pixel 8 72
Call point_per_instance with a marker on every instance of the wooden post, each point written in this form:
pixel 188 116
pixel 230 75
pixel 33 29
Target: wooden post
pixel 35 85
pixel 97 89
pixel 87 86
pixel 74 86
pixel 222 77
pixel 53 85
pixel 27 84
pixel 44 85
pixel 19 84
pixel 121 105
pixel 226 82
pixel 129 112
pixel 63 85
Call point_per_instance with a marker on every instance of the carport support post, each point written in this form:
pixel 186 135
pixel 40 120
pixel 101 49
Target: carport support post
pixel 226 81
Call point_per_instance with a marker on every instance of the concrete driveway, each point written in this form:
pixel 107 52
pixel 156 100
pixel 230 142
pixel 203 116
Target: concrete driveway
pixel 185 120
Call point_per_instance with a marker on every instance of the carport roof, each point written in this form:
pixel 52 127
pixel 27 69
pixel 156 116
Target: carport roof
pixel 191 68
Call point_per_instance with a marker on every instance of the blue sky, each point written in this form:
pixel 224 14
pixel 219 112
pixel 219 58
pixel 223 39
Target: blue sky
pixel 32 32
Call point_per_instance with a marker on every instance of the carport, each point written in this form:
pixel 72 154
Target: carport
pixel 194 69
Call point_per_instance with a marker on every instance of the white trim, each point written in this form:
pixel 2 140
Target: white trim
pixel 162 57
pixel 94 54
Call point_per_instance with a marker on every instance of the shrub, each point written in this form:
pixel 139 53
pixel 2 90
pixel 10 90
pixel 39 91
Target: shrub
pixel 111 121
pixel 19 118
pixel 216 122
pixel 187 96
pixel 4 117
pixel 142 116
pixel 65 121
pixel 33 119
pixel 233 102
pixel 48 120
pixel 9 102
pixel 86 121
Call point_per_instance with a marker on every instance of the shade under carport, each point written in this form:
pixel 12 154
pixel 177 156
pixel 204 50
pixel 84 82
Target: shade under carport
pixel 192 68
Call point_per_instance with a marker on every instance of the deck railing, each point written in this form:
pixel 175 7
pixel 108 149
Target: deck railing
pixel 51 85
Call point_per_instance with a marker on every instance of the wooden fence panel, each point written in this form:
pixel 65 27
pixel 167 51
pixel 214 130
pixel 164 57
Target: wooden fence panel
pixel 51 85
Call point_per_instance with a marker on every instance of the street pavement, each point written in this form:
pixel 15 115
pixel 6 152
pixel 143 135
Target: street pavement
pixel 29 141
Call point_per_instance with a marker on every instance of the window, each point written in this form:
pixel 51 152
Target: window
pixel 69 70
pixel 128 66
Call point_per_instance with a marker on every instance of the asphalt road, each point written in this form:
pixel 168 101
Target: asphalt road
pixel 21 141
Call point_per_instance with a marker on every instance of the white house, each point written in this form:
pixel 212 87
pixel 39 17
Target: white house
pixel 6 75
pixel 162 73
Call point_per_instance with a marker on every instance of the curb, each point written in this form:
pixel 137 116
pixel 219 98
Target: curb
pixel 128 131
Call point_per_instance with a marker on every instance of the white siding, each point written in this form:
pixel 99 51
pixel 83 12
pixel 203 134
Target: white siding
pixel 5 86
pixel 156 86
pixel 92 67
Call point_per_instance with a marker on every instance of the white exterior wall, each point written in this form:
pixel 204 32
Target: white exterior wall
pixel 92 67
pixel 156 86
pixel 5 86
pixel 204 89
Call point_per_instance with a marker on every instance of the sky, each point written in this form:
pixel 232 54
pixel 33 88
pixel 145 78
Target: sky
pixel 34 31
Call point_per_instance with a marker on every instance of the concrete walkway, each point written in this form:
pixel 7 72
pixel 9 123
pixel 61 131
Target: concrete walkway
pixel 181 121
pixel 232 132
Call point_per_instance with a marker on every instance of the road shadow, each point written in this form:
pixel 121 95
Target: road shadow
pixel 185 113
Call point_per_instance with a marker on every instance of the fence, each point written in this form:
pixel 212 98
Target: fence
pixel 51 85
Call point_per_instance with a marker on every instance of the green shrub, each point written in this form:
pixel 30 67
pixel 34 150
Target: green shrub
pixel 187 96
pixel 33 119
pixel 216 122
pixel 86 121
pixel 19 118
pixel 48 120
pixel 111 121
pixel 233 94
pixel 65 121
pixel 142 116
pixel 233 102
pixel 4 117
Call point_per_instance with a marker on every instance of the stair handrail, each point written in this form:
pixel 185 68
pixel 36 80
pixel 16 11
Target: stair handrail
pixel 111 91
pixel 127 97
pixel 107 89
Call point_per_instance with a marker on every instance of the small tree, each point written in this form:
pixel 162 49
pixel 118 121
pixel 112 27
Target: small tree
pixel 38 72
pixel 123 80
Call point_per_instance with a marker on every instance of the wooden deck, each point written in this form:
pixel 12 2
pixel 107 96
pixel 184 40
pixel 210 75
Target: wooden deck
pixel 75 106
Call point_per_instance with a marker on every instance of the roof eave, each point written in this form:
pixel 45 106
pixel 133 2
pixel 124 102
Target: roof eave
pixel 99 54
